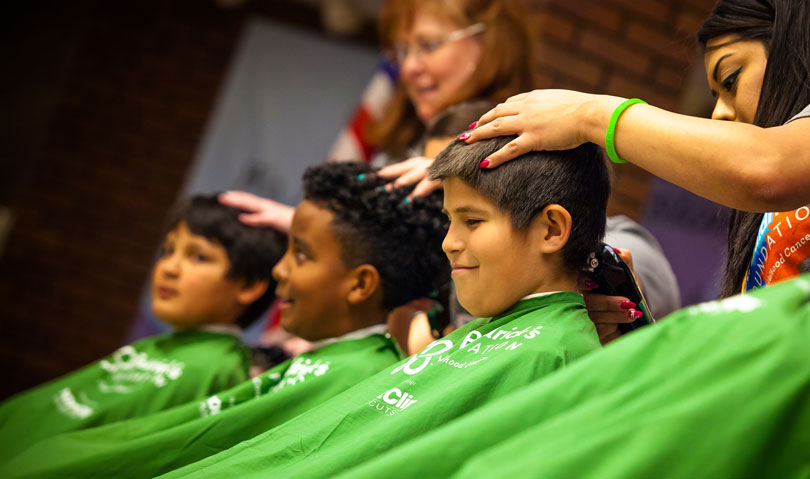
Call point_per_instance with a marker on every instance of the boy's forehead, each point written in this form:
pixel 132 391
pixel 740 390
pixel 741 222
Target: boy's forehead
pixel 460 195
pixel 182 231
pixel 312 219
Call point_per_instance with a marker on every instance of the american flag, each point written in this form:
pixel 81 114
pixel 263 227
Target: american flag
pixel 351 144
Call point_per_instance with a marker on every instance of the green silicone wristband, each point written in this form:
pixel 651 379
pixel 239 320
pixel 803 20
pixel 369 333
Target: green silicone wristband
pixel 610 146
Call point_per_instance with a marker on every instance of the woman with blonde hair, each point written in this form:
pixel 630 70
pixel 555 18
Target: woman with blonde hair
pixel 447 51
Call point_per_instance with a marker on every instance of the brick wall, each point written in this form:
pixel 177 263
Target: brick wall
pixel 629 48
pixel 135 85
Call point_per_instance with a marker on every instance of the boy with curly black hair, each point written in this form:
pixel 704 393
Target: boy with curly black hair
pixel 518 235
pixel 212 277
pixel 355 252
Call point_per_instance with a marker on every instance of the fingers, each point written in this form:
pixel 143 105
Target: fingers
pixel 269 214
pixel 501 110
pixel 519 97
pixel 607 333
pixel 411 177
pixel 425 187
pixel 242 200
pixel 626 256
pixel 510 151
pixel 501 126
pixel 398 169
pixel 614 317
pixel 610 309
pixel 254 219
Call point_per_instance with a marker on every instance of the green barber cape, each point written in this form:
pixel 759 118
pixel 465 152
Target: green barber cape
pixel 138 379
pixel 148 446
pixel 474 365
pixel 721 389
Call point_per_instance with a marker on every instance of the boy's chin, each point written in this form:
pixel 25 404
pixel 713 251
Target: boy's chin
pixel 476 309
pixel 179 322
pixel 485 310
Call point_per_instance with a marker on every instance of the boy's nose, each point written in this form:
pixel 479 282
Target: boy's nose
pixel 169 266
pixel 451 244
pixel 280 270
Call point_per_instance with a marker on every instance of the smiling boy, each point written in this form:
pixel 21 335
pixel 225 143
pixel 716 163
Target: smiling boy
pixel 355 252
pixel 211 278
pixel 517 238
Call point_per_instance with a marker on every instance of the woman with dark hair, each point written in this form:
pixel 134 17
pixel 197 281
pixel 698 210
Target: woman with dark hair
pixel 757 58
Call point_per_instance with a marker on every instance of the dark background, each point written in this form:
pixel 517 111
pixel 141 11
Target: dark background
pixel 103 106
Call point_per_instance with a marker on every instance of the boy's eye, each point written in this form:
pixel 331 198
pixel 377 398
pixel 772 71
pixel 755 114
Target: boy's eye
pixel 199 258
pixel 165 250
pixel 728 82
pixel 472 221
pixel 299 255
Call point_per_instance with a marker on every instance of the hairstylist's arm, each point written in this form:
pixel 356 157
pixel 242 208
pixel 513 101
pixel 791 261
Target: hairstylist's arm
pixel 261 211
pixel 409 172
pixel 736 164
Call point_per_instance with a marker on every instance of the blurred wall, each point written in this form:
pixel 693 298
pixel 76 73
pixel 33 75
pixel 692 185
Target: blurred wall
pixel 105 104
pixel 629 48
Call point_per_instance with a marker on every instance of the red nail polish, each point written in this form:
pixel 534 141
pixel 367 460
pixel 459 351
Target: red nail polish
pixel 590 284
pixel 634 314
pixel 483 164
pixel 464 136
pixel 627 305
pixel 472 125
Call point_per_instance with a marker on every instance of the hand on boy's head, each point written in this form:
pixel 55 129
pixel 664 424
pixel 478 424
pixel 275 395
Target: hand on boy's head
pixel 262 211
pixel 408 172
pixel 543 119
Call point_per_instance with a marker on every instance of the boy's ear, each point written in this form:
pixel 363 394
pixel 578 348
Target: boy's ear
pixel 251 291
pixel 364 282
pixel 553 227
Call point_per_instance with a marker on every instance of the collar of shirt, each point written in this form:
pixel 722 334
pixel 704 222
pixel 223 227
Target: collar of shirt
pixel 231 329
pixel 545 293
pixel 356 334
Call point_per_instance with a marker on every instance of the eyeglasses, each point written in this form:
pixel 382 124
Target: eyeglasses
pixel 423 47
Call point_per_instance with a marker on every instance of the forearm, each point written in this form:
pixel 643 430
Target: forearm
pixel 735 164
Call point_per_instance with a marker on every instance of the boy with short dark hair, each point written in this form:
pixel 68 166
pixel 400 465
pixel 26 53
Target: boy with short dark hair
pixel 518 235
pixel 355 252
pixel 212 276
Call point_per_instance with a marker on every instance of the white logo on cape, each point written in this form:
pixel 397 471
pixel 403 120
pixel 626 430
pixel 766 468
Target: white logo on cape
pixel 128 365
pixel 473 344
pixel 392 401
pixel 69 405
pixel 299 370
pixel 741 303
